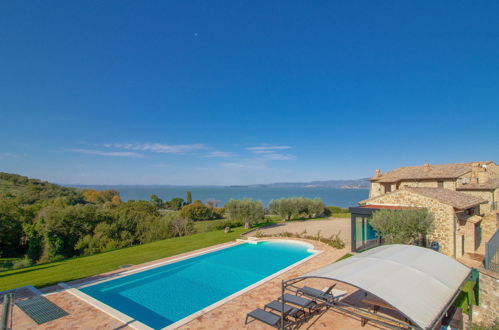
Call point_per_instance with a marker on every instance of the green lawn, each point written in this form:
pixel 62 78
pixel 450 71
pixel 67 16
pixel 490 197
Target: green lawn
pixel 75 268
pixel 341 215
pixel 207 225
pixel 348 255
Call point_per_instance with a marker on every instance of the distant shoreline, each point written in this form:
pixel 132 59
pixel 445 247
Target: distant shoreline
pixel 343 197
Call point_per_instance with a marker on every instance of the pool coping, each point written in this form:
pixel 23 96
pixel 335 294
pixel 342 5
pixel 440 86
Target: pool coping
pixel 135 324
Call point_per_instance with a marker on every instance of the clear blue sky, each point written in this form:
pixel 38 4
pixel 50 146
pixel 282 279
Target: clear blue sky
pixel 236 92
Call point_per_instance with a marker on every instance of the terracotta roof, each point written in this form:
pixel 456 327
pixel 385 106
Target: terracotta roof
pixel 427 171
pixel 489 185
pixel 453 198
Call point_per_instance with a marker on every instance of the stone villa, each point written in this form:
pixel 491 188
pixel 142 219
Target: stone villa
pixel 462 198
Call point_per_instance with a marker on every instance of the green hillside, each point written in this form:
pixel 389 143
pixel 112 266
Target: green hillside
pixel 29 190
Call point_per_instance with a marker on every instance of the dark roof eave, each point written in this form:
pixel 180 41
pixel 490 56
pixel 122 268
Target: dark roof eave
pixel 416 179
pixel 471 205
pixel 477 188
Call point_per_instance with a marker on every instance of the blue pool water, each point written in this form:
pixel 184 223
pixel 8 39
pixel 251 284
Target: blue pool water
pixel 161 296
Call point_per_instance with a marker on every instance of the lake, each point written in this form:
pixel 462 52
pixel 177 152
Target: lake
pixel 330 196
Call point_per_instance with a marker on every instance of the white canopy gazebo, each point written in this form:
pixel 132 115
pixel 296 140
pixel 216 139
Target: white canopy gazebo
pixel 420 283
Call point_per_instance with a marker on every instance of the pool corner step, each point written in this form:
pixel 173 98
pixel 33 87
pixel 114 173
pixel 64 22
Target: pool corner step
pixel 250 240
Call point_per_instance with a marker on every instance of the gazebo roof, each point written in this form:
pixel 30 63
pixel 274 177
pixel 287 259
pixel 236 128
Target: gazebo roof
pixel 418 282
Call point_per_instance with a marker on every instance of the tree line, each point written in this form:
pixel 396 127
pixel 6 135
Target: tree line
pixel 48 222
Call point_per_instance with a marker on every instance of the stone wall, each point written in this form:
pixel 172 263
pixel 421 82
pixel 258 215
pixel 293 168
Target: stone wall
pixel 375 190
pixel 378 189
pixel 488 312
pixel 485 194
pixel 443 231
pixel 463 179
pixel 467 230
pixel 493 171
pixel 448 184
pixel 490 223
pixel 483 174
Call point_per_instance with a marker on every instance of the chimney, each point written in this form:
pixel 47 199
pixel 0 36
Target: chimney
pixel 377 173
pixel 475 168
pixel 426 166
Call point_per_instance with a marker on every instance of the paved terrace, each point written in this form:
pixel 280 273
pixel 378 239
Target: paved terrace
pixel 231 315
pixel 326 228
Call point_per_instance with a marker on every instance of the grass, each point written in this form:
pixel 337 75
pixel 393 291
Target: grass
pixel 346 256
pixel 6 263
pixel 340 215
pixel 208 225
pixel 275 218
pixel 80 267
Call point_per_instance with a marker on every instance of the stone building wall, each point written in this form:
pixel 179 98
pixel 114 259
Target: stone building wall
pixel 485 194
pixel 376 189
pixel 466 232
pixel 488 312
pixel 493 171
pixel 463 179
pixel 484 172
pixel 444 216
pixel 490 224
pixel 448 184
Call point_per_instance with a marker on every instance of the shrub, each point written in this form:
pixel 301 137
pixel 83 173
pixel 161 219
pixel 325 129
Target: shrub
pixel 402 226
pixel 336 242
pixel 23 263
pixel 181 226
pixel 196 211
pixel 218 212
pixel 337 210
pixel 228 223
pixel 334 209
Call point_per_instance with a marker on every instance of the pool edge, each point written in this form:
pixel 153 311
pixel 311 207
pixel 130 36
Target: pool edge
pixel 219 303
pixel 135 324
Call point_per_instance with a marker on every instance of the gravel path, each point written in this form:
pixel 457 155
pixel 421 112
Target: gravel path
pixel 327 228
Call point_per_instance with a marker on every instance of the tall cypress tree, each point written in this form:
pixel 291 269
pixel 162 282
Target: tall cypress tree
pixel 188 197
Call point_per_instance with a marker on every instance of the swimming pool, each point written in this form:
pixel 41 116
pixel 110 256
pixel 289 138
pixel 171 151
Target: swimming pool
pixel 161 296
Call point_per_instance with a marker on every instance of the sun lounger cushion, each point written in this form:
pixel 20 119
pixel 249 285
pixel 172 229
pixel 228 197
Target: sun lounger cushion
pixel 277 306
pixel 265 317
pixel 319 294
pixel 299 301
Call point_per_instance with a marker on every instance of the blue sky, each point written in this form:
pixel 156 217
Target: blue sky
pixel 238 92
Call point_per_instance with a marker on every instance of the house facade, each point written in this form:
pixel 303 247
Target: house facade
pixel 462 198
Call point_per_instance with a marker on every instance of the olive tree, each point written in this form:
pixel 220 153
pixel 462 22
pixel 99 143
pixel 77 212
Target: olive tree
pixel 402 226
pixel 315 207
pixel 289 208
pixel 247 210
pixel 286 208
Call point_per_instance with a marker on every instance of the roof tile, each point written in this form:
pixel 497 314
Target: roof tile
pixel 442 171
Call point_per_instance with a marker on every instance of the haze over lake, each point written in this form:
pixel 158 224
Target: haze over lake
pixel 330 196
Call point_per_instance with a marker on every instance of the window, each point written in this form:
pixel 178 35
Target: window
pixel 440 184
pixel 471 211
pixel 388 188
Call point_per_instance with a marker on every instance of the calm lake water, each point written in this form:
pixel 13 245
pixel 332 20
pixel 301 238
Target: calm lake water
pixel 330 196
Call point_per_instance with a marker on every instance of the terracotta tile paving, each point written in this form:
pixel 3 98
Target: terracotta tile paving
pixel 231 315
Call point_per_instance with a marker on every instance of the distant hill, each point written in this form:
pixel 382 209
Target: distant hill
pixel 342 184
pixel 31 190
